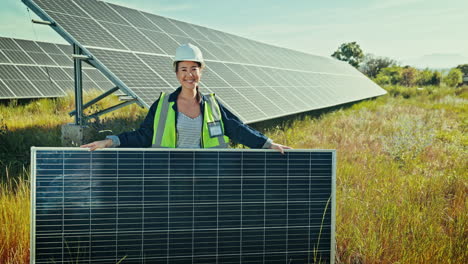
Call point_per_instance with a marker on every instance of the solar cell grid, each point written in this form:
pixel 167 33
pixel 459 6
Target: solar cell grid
pixel 48 88
pixel 228 75
pixel 132 38
pixel 28 46
pixel 284 101
pixel 43 81
pixel 179 206
pixel 5 92
pixel 10 72
pixel 295 95
pixel 33 73
pixel 164 42
pixel 41 58
pixel 290 77
pixel 134 17
pixel 272 77
pixel 189 30
pixel 23 89
pixel 123 29
pixel 247 75
pixel 235 100
pixel 87 30
pixel 3 58
pixel 49 48
pixel 62 7
pixel 8 44
pixel 18 57
pixel 237 53
pixel 211 79
pixel 164 24
pixel 100 11
pixel 212 35
pixel 95 75
pixel 262 101
pixel 163 65
pixel 138 75
pixel 216 50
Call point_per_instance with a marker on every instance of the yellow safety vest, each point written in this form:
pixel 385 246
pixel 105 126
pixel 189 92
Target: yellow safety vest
pixel 164 129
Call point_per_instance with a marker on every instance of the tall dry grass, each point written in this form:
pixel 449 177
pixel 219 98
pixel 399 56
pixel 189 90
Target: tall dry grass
pixel 402 175
pixel 14 220
pixel 402 178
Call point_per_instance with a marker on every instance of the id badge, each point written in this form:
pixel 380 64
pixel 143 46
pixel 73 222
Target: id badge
pixel 215 129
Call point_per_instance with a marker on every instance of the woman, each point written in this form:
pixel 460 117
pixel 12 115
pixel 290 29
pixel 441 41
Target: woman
pixel 188 119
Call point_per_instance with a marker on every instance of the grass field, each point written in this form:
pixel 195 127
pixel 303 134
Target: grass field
pixel 402 175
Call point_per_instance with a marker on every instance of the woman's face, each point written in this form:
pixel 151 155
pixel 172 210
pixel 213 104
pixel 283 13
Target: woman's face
pixel 189 74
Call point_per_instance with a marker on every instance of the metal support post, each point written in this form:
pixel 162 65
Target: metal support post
pixel 78 87
pixel 95 100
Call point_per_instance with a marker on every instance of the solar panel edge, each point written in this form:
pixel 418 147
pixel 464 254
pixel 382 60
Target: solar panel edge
pixel 175 149
pixel 32 250
pixel 333 209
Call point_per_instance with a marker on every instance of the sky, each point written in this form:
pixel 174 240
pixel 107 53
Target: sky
pixel 400 29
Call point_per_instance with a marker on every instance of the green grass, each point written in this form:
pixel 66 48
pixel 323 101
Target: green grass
pixel 402 179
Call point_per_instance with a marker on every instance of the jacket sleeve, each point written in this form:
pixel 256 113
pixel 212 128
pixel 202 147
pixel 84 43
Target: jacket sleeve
pixel 143 136
pixel 241 133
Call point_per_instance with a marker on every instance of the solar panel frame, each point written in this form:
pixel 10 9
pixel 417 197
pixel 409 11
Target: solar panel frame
pixel 293 180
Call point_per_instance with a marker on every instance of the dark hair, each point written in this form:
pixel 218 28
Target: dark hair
pixel 177 65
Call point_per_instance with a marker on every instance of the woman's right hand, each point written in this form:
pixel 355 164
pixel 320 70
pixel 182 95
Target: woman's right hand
pixel 98 144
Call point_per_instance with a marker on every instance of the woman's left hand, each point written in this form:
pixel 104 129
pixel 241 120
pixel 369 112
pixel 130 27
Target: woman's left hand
pixel 279 147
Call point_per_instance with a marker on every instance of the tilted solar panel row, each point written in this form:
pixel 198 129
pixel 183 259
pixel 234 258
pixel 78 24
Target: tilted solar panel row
pixel 257 81
pixel 182 206
pixel 33 69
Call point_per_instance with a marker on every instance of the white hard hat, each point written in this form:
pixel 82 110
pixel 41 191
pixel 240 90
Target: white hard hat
pixel 188 52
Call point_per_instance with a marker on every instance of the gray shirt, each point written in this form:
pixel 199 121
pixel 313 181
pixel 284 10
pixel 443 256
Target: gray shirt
pixel 188 131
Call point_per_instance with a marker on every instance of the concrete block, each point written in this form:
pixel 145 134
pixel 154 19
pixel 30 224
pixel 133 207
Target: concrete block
pixel 74 136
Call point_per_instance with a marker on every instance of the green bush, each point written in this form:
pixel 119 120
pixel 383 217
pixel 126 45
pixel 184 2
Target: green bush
pixel 394 74
pixel 425 77
pixel 436 78
pixel 409 76
pixel 454 77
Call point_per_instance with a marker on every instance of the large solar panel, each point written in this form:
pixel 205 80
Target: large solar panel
pixel 182 206
pixel 255 80
pixel 33 69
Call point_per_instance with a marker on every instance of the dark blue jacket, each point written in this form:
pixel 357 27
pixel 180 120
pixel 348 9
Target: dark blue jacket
pixel 234 128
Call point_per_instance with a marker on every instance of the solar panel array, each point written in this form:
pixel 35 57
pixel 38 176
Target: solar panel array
pixel 33 69
pixel 182 206
pixel 257 81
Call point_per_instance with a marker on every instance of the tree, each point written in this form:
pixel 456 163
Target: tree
pixel 391 75
pixel 409 76
pixel 372 65
pixel 350 52
pixel 454 77
pixel 463 68
pixel 424 77
pixel 436 78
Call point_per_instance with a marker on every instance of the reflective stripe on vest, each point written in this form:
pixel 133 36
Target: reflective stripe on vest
pixel 165 136
pixel 213 114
